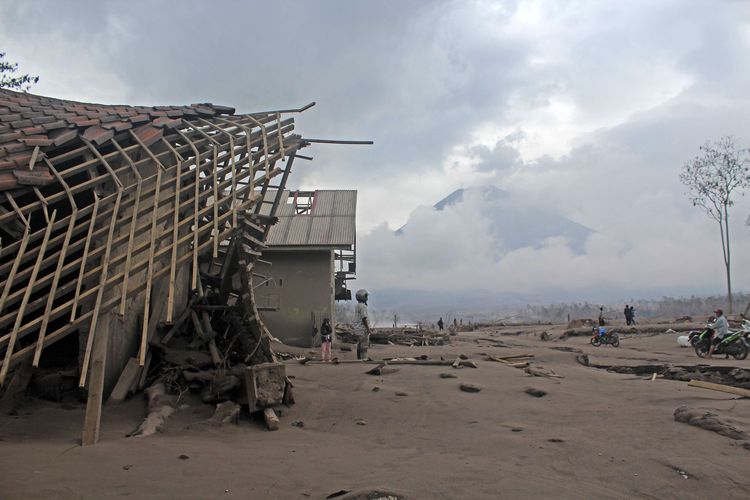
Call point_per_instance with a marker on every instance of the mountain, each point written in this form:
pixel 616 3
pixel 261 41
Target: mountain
pixel 516 226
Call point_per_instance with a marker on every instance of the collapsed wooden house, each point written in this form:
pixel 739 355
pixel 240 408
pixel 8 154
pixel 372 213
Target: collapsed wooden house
pixel 119 221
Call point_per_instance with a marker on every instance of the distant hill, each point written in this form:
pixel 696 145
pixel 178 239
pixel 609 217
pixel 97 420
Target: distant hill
pixel 519 227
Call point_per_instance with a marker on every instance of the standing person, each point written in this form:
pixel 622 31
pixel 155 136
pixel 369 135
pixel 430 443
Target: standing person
pixel 720 328
pixel 440 323
pixel 362 324
pixel 326 339
pixel 632 315
pixel 627 314
pixel 601 317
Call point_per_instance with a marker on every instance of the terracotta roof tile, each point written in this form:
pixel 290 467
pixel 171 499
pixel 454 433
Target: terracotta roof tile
pixel 10 136
pixel 118 126
pixel 33 130
pixel 40 176
pixel 61 136
pixel 7 181
pixel 140 118
pixel 13 147
pixel 54 124
pixel 98 135
pixel 43 119
pixel 37 140
pixel 28 121
pixel 21 124
pixel 148 134
pixel 164 122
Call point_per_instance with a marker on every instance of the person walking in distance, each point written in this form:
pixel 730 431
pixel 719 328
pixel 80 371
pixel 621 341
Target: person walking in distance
pixel 362 324
pixel 440 323
pixel 326 339
pixel 632 315
pixel 627 314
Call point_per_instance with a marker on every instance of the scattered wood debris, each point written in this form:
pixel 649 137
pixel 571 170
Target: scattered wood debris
pixel 399 336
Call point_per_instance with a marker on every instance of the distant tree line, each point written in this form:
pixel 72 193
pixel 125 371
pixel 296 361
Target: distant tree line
pixel 665 307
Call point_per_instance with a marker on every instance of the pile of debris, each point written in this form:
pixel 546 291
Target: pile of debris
pixel 408 336
pixel 217 347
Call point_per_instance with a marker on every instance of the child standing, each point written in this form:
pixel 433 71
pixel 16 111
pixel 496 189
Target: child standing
pixel 326 339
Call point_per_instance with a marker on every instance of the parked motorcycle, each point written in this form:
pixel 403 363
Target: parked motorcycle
pixel 598 339
pixel 733 344
pixel 746 333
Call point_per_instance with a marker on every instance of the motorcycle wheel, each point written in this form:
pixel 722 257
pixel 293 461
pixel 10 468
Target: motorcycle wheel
pixel 596 342
pixel 694 341
pixel 739 351
pixel 701 349
pixel 615 340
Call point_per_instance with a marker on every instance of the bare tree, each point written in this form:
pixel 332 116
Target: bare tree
pixel 712 176
pixel 8 81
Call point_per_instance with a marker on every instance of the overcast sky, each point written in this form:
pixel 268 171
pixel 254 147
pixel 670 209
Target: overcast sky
pixel 586 109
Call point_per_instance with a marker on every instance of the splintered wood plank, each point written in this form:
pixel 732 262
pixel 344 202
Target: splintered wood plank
pixel 215 200
pixel 100 291
pixel 128 378
pixel 175 234
pixel 737 391
pixel 14 269
pixel 53 290
pixel 133 222
pixel 25 301
pixel 150 272
pixel 86 248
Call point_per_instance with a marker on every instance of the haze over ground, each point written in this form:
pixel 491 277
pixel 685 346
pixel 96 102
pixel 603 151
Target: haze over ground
pixel 583 109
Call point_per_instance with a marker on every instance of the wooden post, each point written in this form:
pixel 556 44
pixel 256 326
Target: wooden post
pixel 92 420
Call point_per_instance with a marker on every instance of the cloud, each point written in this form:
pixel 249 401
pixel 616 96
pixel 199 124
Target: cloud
pixel 579 108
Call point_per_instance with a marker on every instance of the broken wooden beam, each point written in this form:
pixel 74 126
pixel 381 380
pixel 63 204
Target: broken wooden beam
pixel 128 378
pixel 272 421
pixel 432 362
pixel 737 391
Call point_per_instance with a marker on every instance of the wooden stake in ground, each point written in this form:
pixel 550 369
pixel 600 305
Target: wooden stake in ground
pixel 92 420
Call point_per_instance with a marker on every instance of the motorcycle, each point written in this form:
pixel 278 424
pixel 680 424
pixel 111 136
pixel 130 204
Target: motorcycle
pixel 733 344
pixel 599 338
pixel 695 335
pixel 746 333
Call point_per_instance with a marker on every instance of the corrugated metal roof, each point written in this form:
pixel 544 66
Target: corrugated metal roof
pixel 330 223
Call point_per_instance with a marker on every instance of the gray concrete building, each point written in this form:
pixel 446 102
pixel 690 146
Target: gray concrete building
pixel 309 258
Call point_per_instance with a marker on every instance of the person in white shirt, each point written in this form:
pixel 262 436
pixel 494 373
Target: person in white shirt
pixel 720 328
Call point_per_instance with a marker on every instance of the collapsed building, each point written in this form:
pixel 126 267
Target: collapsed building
pixel 130 234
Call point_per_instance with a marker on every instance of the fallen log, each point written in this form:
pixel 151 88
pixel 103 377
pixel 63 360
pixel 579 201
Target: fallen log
pixel 710 421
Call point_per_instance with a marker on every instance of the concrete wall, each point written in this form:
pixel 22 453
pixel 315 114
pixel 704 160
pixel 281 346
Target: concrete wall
pixel 298 295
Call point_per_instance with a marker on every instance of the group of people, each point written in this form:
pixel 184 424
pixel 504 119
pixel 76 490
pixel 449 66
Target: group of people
pixel 362 329
pixel 629 315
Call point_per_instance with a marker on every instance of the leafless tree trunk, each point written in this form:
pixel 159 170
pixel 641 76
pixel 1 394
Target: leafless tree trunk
pixel 712 177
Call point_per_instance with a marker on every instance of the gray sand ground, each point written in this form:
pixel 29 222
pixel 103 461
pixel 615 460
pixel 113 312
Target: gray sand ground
pixel 594 435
